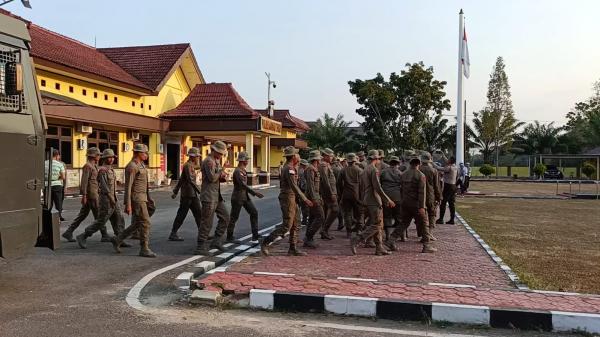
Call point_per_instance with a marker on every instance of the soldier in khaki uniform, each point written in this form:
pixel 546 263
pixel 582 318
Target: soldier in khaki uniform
pixel 328 191
pixel 414 197
pixel 289 191
pixel 392 186
pixel 313 184
pixel 89 195
pixel 373 199
pixel 349 189
pixel 434 191
pixel 337 169
pixel 108 203
pixel 190 193
pixel 362 161
pixel 212 200
pixel 382 164
pixel 137 201
pixel 240 197
pixel 302 184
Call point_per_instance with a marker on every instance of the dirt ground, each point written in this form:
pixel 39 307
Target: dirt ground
pixel 530 188
pixel 550 244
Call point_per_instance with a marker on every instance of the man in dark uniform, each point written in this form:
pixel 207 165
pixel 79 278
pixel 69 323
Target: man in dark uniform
pixel 449 191
pixel 349 189
pixel 108 203
pixel 373 198
pixel 313 182
pixel 289 191
pixel 328 193
pixel 392 185
pixel 414 197
pixel 212 200
pixel 362 162
pixel 302 184
pixel 137 201
pixel 190 193
pixel 337 169
pixel 434 193
pixel 89 195
pixel 240 197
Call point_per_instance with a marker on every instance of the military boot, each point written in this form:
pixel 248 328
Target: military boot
pixel 428 248
pixel 175 237
pixel 326 236
pixel 116 242
pixel 68 235
pixel 201 249
pixel 105 236
pixel 294 251
pixel 391 245
pixel 264 246
pixel 310 243
pixel 370 243
pixel 216 244
pixel 230 238
pixel 145 250
pixel 354 242
pixel 380 250
pixel 81 240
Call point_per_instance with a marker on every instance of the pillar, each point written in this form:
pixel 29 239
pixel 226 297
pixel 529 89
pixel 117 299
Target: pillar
pixel 265 147
pixel 250 149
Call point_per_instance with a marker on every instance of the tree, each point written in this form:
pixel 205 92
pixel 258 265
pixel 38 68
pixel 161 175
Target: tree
pixel 538 138
pixel 332 133
pixel 539 169
pixel 396 110
pixel 487 170
pixel 583 125
pixel 589 170
pixel 436 134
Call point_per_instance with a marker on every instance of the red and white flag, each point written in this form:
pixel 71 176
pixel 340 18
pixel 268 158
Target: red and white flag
pixel 464 54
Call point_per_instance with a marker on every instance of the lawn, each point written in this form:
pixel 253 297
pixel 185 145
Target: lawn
pixel 529 188
pixel 550 244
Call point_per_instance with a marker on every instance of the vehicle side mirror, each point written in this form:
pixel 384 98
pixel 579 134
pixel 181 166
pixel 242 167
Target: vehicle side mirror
pixel 13 81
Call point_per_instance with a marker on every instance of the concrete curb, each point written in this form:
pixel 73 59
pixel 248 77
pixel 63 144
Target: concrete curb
pixel 407 310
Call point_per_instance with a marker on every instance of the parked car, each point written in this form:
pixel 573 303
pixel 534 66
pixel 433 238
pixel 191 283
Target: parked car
pixel 552 172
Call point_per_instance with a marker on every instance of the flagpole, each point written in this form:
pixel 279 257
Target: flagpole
pixel 460 125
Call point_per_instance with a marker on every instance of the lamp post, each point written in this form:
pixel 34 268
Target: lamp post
pixel 270 103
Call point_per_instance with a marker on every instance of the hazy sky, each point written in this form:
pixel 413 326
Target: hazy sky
pixel 313 47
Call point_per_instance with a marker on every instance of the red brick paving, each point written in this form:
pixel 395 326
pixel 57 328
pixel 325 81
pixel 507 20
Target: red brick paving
pixel 240 283
pixel 459 260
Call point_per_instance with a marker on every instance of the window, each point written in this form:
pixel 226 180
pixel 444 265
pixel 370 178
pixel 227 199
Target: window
pixel 43 83
pixel 59 137
pixel 71 89
pixel 149 107
pixel 95 94
pixel 105 97
pixel 57 86
pixel 142 105
pixel 103 140
pixel 116 99
pixel 133 103
pixel 84 92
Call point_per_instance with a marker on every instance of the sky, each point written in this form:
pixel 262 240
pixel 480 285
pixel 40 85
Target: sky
pixel 312 48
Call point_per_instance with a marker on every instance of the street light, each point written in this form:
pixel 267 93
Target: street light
pixel 270 103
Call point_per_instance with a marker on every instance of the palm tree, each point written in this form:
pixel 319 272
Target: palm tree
pixel 332 133
pixel 494 131
pixel 435 133
pixel 538 138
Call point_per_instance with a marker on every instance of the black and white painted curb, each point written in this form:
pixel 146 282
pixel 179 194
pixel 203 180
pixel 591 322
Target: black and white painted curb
pixel 424 311
pixel 497 259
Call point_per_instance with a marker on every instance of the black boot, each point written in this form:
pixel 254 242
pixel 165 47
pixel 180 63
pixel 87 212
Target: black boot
pixel 175 237
pixel 294 251
pixel 68 235
pixel 81 240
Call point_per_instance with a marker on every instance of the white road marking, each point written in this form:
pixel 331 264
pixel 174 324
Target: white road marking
pixel 385 330
pixel 260 231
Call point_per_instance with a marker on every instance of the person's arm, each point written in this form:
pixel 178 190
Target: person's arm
pixel 340 182
pixel 422 191
pixel 85 177
pixel 208 170
pixel 310 184
pixel 292 183
pixel 104 186
pixel 326 188
pixel 444 169
pixel 130 173
pixel 377 188
pixel 437 189
pixel 237 178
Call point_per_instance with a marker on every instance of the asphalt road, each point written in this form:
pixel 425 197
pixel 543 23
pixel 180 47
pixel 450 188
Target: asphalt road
pixel 76 292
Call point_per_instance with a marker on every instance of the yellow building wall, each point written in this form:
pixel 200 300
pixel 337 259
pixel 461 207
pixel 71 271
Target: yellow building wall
pixel 124 157
pixel 172 93
pixel 79 156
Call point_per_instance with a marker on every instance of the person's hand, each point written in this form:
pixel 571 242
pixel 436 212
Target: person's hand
pixel 308 203
pixel 391 204
pixel 174 195
pixel 128 209
pixel 84 200
pixel 260 195
pixel 422 212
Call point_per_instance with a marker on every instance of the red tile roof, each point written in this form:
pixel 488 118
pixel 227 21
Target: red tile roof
pixel 149 64
pixel 213 100
pixel 287 120
pixel 59 49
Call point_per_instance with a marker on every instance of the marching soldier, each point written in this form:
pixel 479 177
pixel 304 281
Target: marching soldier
pixel 190 193
pixel 337 169
pixel 349 189
pixel 138 202
pixel 89 195
pixel 391 183
pixel 240 197
pixel 362 162
pixel 313 182
pixel 108 203
pixel 434 193
pixel 212 200
pixel 302 184
pixel 382 163
pixel 373 199
pixel 328 191
pixel 414 197
pixel 289 190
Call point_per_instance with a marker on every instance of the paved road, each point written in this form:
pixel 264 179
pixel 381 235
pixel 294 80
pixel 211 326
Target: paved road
pixel 75 292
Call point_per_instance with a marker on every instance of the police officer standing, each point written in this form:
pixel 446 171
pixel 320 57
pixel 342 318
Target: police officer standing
pixel 328 193
pixel 288 193
pixel 240 197
pixel 349 189
pixel 391 184
pixel 373 199
pixel 108 203
pixel 137 201
pixel 434 192
pixel 414 197
pixel 190 193
pixel 313 184
pixel 449 192
pixel 212 200
pixel 89 195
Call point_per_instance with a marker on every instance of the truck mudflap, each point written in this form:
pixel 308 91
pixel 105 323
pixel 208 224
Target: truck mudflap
pixel 50 235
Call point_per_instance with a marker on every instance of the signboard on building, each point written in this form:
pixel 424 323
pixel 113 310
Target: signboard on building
pixel 271 126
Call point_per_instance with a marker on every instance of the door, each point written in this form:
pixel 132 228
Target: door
pixel 173 155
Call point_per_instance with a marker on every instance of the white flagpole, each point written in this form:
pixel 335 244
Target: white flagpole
pixel 460 121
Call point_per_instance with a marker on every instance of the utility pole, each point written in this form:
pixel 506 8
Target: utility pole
pixel 270 103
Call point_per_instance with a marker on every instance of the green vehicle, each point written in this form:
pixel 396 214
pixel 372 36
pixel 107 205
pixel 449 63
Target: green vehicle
pixel 24 219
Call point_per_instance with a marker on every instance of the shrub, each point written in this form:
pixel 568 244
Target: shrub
pixel 487 170
pixel 539 169
pixel 589 170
